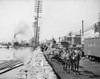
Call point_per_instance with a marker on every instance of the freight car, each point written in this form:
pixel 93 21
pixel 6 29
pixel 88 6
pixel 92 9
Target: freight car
pixel 92 48
pixel 65 44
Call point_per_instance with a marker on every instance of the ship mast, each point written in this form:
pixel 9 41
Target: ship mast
pixel 38 9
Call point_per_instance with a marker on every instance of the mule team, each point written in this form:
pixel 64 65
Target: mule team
pixel 69 58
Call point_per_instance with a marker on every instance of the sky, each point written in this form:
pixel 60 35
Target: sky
pixel 58 17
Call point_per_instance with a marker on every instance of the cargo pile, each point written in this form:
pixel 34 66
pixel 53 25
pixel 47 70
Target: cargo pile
pixel 36 67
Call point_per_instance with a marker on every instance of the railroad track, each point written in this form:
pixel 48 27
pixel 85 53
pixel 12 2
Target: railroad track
pixel 9 65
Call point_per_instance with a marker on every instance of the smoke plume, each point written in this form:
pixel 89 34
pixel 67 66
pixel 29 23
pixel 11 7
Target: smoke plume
pixel 22 29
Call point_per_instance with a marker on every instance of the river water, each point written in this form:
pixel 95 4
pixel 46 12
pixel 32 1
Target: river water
pixel 13 54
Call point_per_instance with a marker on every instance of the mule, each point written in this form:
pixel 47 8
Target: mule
pixel 76 56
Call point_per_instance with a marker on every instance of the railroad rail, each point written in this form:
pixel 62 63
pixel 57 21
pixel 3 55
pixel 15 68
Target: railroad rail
pixel 9 65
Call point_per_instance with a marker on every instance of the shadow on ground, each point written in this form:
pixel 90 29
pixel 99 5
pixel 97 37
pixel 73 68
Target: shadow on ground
pixel 90 74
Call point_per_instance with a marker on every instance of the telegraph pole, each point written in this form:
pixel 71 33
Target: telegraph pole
pixel 38 9
pixel 82 36
pixel 99 17
pixel 82 27
pixel 59 39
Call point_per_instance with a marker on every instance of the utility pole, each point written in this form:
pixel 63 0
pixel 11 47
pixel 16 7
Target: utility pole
pixel 99 17
pixel 59 39
pixel 38 9
pixel 82 36
pixel 82 27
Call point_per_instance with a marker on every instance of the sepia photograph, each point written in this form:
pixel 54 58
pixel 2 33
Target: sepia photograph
pixel 49 39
